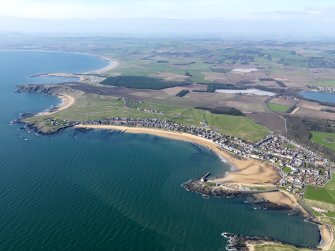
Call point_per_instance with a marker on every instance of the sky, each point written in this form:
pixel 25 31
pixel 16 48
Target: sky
pixel 225 15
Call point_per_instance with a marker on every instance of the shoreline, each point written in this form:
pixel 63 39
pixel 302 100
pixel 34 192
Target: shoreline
pixel 228 157
pixel 66 102
pixel 112 64
pixel 243 167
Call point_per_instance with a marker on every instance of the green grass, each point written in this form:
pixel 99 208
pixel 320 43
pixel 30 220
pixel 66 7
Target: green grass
pixel 278 107
pixel 277 247
pixel 319 194
pixel 286 169
pixel 238 126
pixel 327 83
pixel 324 138
pixel 90 107
pixel 323 194
pixel 331 214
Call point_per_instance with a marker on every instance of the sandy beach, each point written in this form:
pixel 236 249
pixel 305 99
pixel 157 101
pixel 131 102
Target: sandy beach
pixel 283 198
pixel 112 64
pixel 327 237
pixel 67 101
pixel 246 171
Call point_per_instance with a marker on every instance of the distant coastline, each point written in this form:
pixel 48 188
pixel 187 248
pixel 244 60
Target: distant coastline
pixel 112 64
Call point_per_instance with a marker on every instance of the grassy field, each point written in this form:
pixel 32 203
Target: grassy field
pixel 327 83
pixel 92 106
pixel 277 247
pixel 286 169
pixel 325 139
pixel 278 107
pixel 323 194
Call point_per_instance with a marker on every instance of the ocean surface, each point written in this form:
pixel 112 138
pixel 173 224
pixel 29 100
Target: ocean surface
pixel 100 190
pixel 319 96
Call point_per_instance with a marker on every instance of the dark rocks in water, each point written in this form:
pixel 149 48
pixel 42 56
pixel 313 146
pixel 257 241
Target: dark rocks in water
pixel 272 206
pixel 34 127
pixel 24 116
pixel 264 204
pixel 212 189
pixel 207 190
pixel 239 242
pixel 236 242
pixel 83 129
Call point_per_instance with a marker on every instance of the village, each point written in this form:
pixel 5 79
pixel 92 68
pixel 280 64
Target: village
pixel 298 165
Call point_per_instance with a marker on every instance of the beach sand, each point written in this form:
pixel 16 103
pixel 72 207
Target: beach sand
pixel 112 64
pixel 283 198
pixel 246 171
pixel 327 237
pixel 251 172
pixel 67 101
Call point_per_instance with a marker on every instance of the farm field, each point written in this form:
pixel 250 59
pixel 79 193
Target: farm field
pixel 327 83
pixel 278 107
pixel 322 194
pixel 325 139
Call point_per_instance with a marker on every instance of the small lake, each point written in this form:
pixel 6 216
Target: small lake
pixel 319 96
pixel 247 92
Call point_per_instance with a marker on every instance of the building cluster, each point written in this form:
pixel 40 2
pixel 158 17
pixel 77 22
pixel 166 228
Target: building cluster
pixel 324 89
pixel 93 79
pixel 135 105
pixel 299 166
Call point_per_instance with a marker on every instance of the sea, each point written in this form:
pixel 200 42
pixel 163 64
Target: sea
pixel 106 190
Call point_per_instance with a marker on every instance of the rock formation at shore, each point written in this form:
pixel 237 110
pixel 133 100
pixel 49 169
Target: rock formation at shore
pixel 241 243
pixel 57 89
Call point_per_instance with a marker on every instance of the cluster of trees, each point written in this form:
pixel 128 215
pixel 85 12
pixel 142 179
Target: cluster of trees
pixel 222 110
pixel 182 93
pixel 300 129
pixel 140 82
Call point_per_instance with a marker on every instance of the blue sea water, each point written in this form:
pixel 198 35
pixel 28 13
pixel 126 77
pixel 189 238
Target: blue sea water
pixel 102 190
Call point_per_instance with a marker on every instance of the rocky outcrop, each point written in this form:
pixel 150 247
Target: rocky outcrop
pixel 209 188
pixel 240 243
pixel 46 89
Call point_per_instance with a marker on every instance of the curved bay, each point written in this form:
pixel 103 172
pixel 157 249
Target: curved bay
pixel 111 191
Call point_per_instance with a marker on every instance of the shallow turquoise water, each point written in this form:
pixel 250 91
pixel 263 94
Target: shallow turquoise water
pixel 111 191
